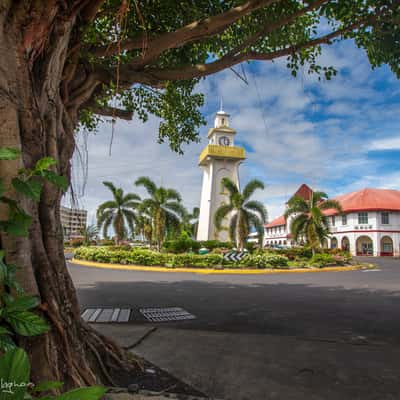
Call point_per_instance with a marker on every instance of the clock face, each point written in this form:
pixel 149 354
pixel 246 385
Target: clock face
pixel 224 141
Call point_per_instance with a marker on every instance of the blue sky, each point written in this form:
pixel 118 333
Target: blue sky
pixel 338 136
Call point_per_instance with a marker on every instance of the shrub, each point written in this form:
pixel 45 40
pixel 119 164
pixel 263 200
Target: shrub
pixel 214 244
pixel 264 260
pixel 181 245
pixel 77 242
pixel 322 260
pixel 107 242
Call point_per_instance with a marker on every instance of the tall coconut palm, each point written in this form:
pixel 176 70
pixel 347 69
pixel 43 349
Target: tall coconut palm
pixel 243 213
pixel 165 208
pixel 309 222
pixel 119 212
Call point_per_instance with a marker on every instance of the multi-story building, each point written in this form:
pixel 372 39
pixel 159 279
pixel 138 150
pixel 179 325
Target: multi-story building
pixel 72 221
pixel 369 224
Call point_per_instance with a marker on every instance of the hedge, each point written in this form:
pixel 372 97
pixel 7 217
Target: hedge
pixel 152 258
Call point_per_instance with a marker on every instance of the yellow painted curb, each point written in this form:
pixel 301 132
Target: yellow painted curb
pixel 207 271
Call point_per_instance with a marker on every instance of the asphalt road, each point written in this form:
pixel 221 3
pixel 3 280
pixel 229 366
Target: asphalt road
pixel 331 305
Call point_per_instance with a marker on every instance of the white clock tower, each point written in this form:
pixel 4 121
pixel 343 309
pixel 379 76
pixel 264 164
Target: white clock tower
pixel 220 159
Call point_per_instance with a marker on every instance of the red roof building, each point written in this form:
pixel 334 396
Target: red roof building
pixel 369 224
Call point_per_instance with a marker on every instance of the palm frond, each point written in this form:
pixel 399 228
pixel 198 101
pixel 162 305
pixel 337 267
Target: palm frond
pixel 298 225
pixel 175 207
pixel 259 208
pixel 107 205
pixel 230 186
pixel 221 213
pixel 172 194
pixel 131 197
pixel 251 187
pixel 103 217
pixel 106 225
pixel 297 205
pixel 110 186
pixel 331 204
pixel 147 183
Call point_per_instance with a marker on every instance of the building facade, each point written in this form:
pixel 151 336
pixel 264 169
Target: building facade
pixel 72 221
pixel 219 159
pixel 369 224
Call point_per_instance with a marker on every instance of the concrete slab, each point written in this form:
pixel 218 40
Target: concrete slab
pixel 253 366
pixel 125 335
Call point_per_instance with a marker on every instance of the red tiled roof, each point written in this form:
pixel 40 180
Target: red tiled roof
pixel 368 200
pixel 304 191
pixel 277 222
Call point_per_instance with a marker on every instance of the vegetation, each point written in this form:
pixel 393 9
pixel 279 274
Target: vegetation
pixel 191 222
pixel 89 234
pixel 309 222
pixel 19 317
pixel 244 213
pixel 69 64
pixel 164 208
pixel 259 259
pixel 119 212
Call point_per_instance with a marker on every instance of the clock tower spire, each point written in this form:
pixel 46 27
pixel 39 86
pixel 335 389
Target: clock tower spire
pixel 219 159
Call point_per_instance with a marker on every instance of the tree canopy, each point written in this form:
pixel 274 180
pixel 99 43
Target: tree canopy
pixel 130 58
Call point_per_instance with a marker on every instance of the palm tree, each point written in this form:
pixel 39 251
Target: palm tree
pixel 191 221
pixel 119 212
pixel 164 207
pixel 143 226
pixel 309 222
pixel 89 233
pixel 244 213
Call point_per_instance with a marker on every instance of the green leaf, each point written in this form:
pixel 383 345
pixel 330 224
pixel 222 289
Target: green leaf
pixel 22 303
pixel 57 180
pixel 30 188
pixel 7 153
pixel 45 386
pixel 26 323
pixel 43 164
pixel 89 393
pixel 17 225
pixel 6 343
pixel 14 374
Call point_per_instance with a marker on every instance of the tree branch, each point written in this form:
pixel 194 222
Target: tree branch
pixel 194 31
pixel 201 70
pixel 113 112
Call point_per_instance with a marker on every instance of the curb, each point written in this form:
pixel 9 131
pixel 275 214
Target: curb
pixel 210 271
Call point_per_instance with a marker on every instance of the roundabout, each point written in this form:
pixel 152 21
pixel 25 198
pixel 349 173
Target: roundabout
pixel 220 271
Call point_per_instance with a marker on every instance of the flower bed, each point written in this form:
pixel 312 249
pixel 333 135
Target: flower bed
pixel 152 258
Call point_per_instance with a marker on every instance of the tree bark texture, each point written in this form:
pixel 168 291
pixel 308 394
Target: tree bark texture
pixel 34 42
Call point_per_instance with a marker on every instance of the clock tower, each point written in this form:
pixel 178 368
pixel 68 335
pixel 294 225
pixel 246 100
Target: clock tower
pixel 219 159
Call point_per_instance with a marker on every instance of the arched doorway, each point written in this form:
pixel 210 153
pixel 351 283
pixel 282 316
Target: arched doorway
pixel 365 246
pixel 387 246
pixel 345 245
pixel 325 244
pixel 334 243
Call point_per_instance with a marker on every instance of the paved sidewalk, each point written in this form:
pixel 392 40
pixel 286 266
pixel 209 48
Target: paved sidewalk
pixel 238 366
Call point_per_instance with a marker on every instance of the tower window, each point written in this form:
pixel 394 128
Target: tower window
pixel 223 121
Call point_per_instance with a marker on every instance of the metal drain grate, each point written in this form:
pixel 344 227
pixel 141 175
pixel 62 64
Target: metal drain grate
pixel 106 314
pixel 166 314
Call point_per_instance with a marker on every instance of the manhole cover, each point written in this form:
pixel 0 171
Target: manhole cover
pixel 106 314
pixel 166 314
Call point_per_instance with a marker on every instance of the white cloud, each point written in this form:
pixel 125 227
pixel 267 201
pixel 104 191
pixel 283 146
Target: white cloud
pixel 390 143
pixel 298 131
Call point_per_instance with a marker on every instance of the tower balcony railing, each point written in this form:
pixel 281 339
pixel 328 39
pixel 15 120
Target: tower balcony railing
pixel 213 150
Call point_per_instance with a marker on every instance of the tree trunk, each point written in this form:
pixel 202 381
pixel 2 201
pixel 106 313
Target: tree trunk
pixel 34 119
